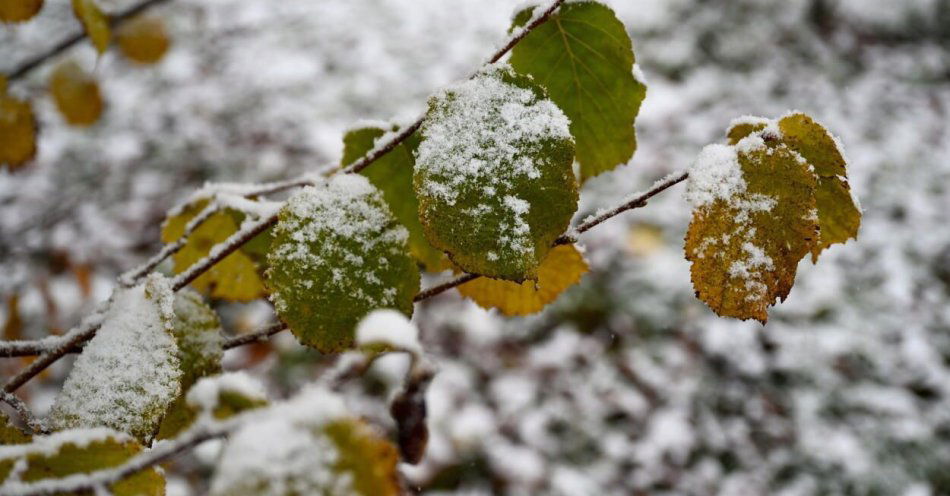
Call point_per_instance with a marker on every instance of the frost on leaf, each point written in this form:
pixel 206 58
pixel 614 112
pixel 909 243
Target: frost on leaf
pixel 839 214
pixel 584 58
pixel 236 277
pixel 76 94
pixel 17 129
pixel 128 374
pixel 562 269
pixel 143 39
pixel 392 174
pixel 338 253
pixel 494 174
pixel 308 445
pixel 197 332
pixel 94 22
pixel 753 220
pixel 19 10
pixel 76 452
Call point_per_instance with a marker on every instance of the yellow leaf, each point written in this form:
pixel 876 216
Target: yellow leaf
pixel 19 10
pixel 561 269
pixel 370 459
pixel 94 22
pixel 745 244
pixel 17 130
pixel 143 39
pixel 235 277
pixel 76 94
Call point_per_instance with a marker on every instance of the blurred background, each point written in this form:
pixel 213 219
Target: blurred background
pixel 628 384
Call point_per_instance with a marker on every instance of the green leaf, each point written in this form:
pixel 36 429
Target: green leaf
pixel 78 452
pixel 494 174
pixel 19 10
pixel 338 253
pixel 129 373
pixel 584 58
pixel 234 278
pixel 94 22
pixel 197 332
pixel 392 174
pixel 754 219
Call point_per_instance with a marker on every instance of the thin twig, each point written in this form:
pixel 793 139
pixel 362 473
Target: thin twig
pixel 222 250
pixel 254 337
pixel 24 412
pixel 115 20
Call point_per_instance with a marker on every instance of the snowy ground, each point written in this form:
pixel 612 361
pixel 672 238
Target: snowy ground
pixel 629 384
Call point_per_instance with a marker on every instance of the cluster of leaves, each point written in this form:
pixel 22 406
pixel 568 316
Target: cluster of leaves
pixel 75 91
pixel 518 128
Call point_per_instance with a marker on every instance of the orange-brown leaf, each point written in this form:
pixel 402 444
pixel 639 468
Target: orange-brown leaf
pixel 143 39
pixel 19 10
pixel 76 94
pixel 17 130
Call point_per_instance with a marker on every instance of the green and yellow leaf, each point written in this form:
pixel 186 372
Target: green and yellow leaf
pixel 584 58
pixel 94 22
pixel 753 220
pixel 494 174
pixel 76 94
pixel 234 278
pixel 57 456
pixel 17 130
pixel 143 39
pixel 562 269
pixel 839 214
pixel 392 174
pixel 370 459
pixel 338 253
pixel 19 10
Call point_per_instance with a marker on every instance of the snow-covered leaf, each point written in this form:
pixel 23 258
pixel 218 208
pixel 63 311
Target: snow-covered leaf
pixel 76 94
pixel 143 39
pixel 197 332
pixel 839 214
pixel 235 277
pixel 584 58
pixel 754 219
pixel 80 451
pixel 17 130
pixel 493 174
pixel 94 22
pixel 561 269
pixel 19 10
pixel 338 253
pixel 223 396
pixel 129 373
pixel 308 445
pixel 392 174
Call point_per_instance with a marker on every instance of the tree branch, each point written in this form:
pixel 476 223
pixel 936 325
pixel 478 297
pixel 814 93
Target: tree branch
pixel 114 20
pixel 254 337
pixel 24 412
